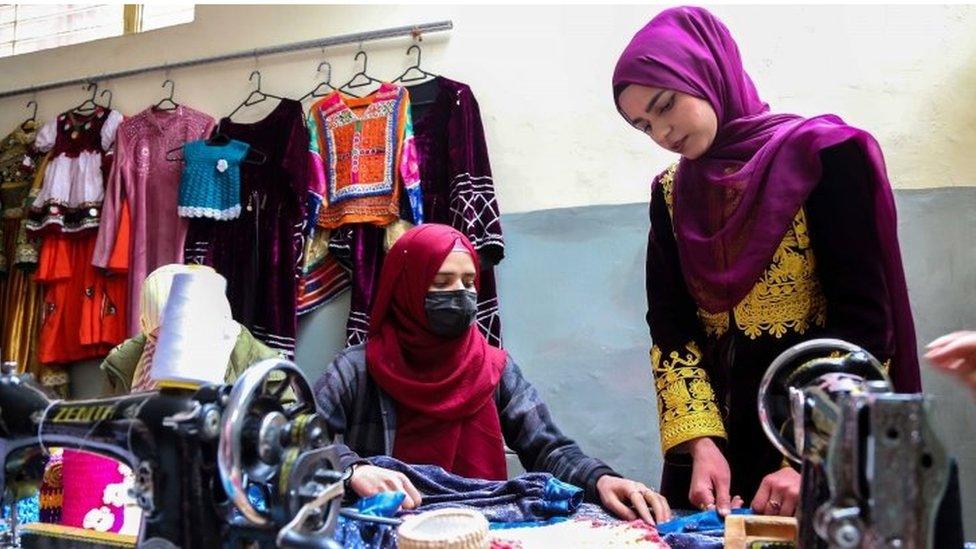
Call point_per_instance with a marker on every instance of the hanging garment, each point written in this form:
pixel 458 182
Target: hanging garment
pixel 364 177
pixel 455 175
pixel 323 277
pixel 359 248
pixel 211 181
pixel 24 302
pixel 84 306
pixel 365 158
pixel 142 177
pixel 20 296
pixel 70 200
pixel 259 253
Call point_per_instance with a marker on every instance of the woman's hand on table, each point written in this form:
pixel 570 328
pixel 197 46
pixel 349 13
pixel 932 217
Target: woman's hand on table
pixel 710 477
pixel 778 494
pixel 369 480
pixel 629 500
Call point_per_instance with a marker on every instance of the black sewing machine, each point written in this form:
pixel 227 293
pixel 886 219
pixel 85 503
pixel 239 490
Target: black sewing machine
pixel 221 466
pixel 875 475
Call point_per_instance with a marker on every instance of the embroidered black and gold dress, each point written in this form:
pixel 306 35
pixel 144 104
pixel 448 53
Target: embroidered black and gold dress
pixel 825 280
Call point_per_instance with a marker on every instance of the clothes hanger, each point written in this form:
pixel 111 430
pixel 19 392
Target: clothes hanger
pixel 88 105
pixel 361 74
pixel 326 83
pixel 33 116
pixel 261 156
pixel 173 105
pixel 220 138
pixel 109 92
pixel 424 75
pixel 255 97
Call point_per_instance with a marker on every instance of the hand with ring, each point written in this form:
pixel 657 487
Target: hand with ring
pixel 629 500
pixel 778 494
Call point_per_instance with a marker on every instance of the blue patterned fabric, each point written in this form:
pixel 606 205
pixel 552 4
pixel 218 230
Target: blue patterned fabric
pixel 211 182
pixel 705 521
pixel 384 504
pixel 713 539
pixel 28 510
pixel 360 534
pixel 704 530
pixel 363 534
pixel 533 499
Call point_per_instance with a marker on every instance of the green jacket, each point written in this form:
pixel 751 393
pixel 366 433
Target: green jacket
pixel 120 364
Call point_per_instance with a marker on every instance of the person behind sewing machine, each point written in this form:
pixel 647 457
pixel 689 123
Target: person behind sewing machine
pixel 128 366
pixel 955 354
pixel 427 388
pixel 770 229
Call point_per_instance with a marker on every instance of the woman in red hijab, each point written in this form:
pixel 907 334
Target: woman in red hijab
pixel 427 388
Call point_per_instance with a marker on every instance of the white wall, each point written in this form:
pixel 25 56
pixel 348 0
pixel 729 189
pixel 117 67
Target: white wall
pixel 906 73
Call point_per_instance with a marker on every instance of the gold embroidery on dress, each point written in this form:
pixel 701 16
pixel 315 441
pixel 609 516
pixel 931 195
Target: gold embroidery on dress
pixel 715 324
pixel 686 401
pixel 787 297
pixel 667 186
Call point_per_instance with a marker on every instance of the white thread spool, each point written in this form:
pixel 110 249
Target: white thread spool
pixel 197 332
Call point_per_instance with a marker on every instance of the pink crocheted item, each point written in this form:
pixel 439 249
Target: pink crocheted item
pixel 86 476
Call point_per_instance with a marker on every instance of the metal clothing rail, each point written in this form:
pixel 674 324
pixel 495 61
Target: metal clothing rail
pixel 353 38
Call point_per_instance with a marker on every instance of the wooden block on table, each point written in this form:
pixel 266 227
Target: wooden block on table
pixel 742 530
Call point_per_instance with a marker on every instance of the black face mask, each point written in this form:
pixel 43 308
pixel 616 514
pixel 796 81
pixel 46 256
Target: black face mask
pixel 451 313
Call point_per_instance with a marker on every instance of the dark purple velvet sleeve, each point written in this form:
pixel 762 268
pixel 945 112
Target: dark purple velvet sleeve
pixel 671 312
pixel 295 157
pixel 845 242
pixel 473 203
pixel 686 402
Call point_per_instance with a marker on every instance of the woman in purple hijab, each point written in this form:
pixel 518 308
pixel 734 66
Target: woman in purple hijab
pixel 771 229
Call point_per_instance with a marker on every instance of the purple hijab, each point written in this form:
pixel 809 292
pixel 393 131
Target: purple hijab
pixel 734 204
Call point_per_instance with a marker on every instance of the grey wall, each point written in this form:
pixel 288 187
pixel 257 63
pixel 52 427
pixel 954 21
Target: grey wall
pixel 937 229
pixel 572 302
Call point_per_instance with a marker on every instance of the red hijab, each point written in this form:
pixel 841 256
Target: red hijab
pixel 443 388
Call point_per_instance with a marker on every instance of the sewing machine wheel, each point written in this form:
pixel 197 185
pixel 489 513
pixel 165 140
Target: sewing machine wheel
pixel 832 361
pixel 258 429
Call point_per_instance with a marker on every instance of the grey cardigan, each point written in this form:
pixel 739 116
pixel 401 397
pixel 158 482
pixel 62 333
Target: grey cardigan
pixel 362 421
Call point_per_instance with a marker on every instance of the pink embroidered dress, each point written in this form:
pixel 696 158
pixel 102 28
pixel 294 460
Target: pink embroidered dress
pixel 142 177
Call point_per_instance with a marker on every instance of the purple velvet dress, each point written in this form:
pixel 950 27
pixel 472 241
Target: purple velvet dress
pixel 358 247
pixel 455 175
pixel 259 253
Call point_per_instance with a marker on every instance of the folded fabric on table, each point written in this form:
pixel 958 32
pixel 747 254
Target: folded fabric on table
pixel 704 530
pixel 528 497
pixel 705 521
pixel 354 533
pixel 590 526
